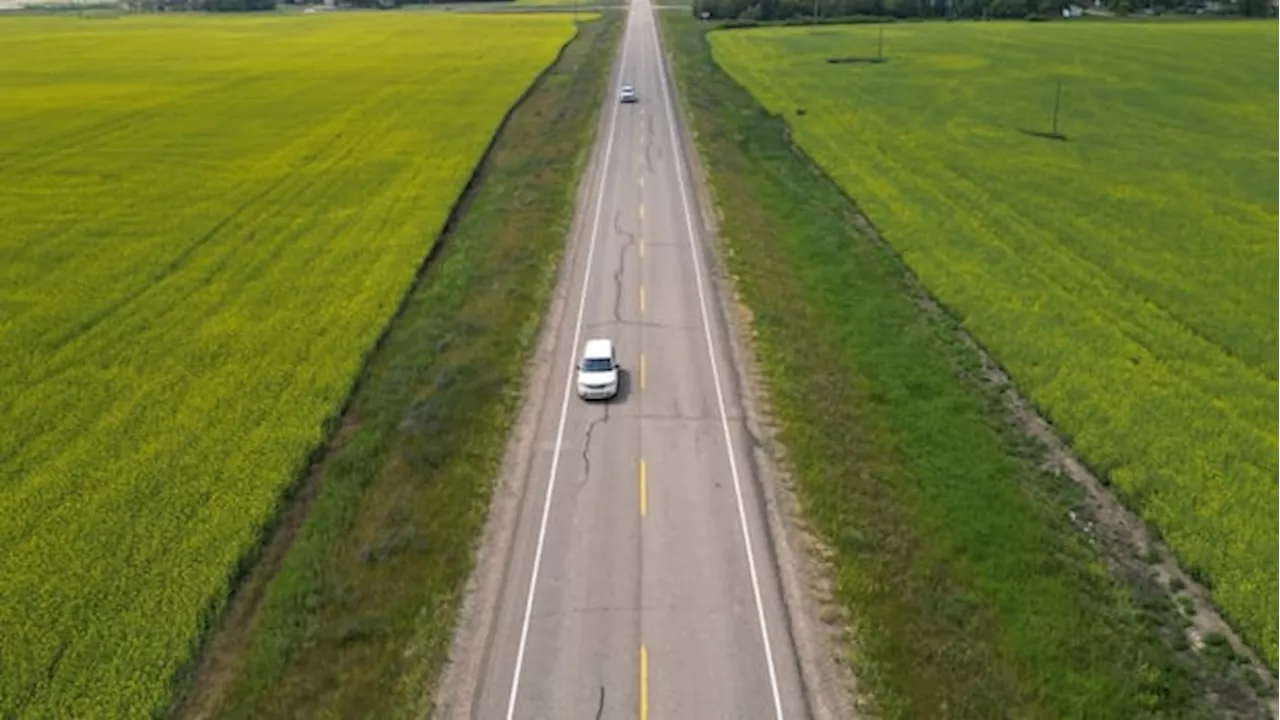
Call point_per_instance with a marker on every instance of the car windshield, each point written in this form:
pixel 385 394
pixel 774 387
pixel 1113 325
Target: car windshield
pixel 596 365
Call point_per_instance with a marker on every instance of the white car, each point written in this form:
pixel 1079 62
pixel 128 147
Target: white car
pixel 628 94
pixel 598 371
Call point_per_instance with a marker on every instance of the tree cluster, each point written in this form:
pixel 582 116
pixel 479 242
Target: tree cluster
pixel 255 5
pixel 778 10
pixel 800 11
pixel 383 3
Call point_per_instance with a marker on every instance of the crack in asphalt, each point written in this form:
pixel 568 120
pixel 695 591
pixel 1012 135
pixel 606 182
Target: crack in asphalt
pixel 648 142
pixel 600 708
pixel 661 417
pixel 586 446
pixel 640 323
pixel 622 263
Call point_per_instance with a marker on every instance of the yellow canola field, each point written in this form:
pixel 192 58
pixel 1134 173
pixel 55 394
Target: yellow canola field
pixel 207 222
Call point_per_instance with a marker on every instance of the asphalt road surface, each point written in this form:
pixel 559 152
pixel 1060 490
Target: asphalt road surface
pixel 640 582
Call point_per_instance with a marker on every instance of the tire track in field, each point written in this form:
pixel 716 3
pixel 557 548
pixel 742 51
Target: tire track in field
pixel 384 108
pixel 42 154
pixel 328 181
pixel 283 190
pixel 281 186
pixel 278 191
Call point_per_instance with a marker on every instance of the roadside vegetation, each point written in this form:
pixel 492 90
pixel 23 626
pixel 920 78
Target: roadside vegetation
pixel 1126 277
pixel 803 11
pixel 207 225
pixel 969 591
pixel 357 618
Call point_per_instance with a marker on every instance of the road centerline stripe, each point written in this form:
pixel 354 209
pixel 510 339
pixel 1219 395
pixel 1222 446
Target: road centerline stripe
pixel 644 683
pixel 644 489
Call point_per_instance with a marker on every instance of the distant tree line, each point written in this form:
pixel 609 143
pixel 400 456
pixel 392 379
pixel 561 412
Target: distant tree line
pixel 238 5
pixel 775 10
pixel 257 5
pixel 198 5
pixel 382 3
pixel 800 11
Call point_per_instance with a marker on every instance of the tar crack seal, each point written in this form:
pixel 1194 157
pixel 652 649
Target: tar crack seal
pixel 586 445
pixel 622 262
pixel 648 144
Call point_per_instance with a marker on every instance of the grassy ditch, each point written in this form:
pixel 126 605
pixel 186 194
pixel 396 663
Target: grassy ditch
pixel 357 620
pixel 972 594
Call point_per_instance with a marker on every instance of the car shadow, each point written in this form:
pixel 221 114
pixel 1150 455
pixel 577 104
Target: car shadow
pixel 624 388
pixel 850 60
pixel 1045 134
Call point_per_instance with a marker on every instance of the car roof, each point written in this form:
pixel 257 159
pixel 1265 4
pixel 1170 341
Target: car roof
pixel 598 347
pixel 628 87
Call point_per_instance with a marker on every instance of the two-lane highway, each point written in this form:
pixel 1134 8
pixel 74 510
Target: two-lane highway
pixel 640 582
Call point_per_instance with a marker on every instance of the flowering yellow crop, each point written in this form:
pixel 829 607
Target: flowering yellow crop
pixel 205 223
pixel 1127 276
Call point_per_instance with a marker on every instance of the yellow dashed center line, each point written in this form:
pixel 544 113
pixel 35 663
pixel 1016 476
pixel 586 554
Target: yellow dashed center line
pixel 641 299
pixel 644 684
pixel 644 490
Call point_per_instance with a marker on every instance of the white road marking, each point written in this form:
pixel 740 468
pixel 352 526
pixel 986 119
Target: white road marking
pixel 568 388
pixel 715 370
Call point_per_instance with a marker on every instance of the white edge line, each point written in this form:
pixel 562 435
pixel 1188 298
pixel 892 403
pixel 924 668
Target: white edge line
pixel 568 387
pixel 715 370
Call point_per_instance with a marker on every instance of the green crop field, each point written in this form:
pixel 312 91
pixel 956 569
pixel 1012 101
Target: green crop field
pixel 207 224
pixel 1127 276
